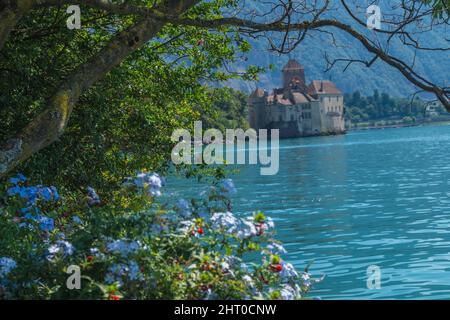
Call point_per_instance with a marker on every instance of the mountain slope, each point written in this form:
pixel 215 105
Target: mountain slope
pixel 431 64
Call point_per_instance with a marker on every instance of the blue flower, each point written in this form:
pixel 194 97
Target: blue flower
pixel 227 187
pixel 56 196
pixel 93 198
pixel 134 272
pixel 18 179
pixel 183 208
pixel 77 220
pixel 117 272
pixel 139 181
pixel 123 247
pixel 13 191
pixel 46 194
pixel 32 193
pixel 46 224
pixel 6 266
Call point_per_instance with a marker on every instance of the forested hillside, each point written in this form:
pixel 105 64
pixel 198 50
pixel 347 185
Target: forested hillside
pixel 311 53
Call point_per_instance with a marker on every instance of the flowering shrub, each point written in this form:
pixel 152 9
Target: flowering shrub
pixel 141 248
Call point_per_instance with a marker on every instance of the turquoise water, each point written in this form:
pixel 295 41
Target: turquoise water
pixel 376 197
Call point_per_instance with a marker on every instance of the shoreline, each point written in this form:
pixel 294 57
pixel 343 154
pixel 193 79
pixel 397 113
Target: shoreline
pixel 400 125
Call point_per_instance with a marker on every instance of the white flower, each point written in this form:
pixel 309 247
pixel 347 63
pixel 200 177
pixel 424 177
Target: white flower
pixel 224 220
pixel 247 229
pixel 186 226
pixel 61 246
pixel 290 293
pixel 152 181
pixel 154 184
pixel 53 249
pixel 232 260
pixel 226 268
pixel 275 248
pixel 306 278
pixel 288 270
pixel 267 224
pixel 248 281
pixel 287 293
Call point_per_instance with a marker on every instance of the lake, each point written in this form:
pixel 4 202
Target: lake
pixel 374 197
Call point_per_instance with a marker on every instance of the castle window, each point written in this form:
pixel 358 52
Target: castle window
pixel 292 117
pixel 280 118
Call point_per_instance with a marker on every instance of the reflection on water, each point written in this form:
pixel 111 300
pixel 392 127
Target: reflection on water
pixel 374 197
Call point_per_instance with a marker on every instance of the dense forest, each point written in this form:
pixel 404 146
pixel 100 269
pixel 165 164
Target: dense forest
pixel 228 109
pixel 382 106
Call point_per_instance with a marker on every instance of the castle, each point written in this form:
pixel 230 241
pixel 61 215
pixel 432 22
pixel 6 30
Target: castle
pixel 297 109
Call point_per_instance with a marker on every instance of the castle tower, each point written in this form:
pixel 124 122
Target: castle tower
pixel 256 109
pixel 294 75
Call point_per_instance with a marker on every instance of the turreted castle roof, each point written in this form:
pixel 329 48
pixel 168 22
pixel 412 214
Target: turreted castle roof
pixel 323 86
pixel 293 95
pixel 292 65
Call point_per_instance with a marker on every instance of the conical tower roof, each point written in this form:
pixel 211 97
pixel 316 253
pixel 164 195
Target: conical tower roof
pixel 292 65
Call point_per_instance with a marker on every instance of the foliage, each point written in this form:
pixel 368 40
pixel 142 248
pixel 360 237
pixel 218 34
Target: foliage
pixel 124 122
pixel 363 108
pixel 140 248
pixel 441 8
pixel 228 109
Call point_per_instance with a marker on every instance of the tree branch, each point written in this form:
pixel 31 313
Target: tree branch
pixel 11 11
pixel 443 94
pixel 106 5
pixel 51 123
